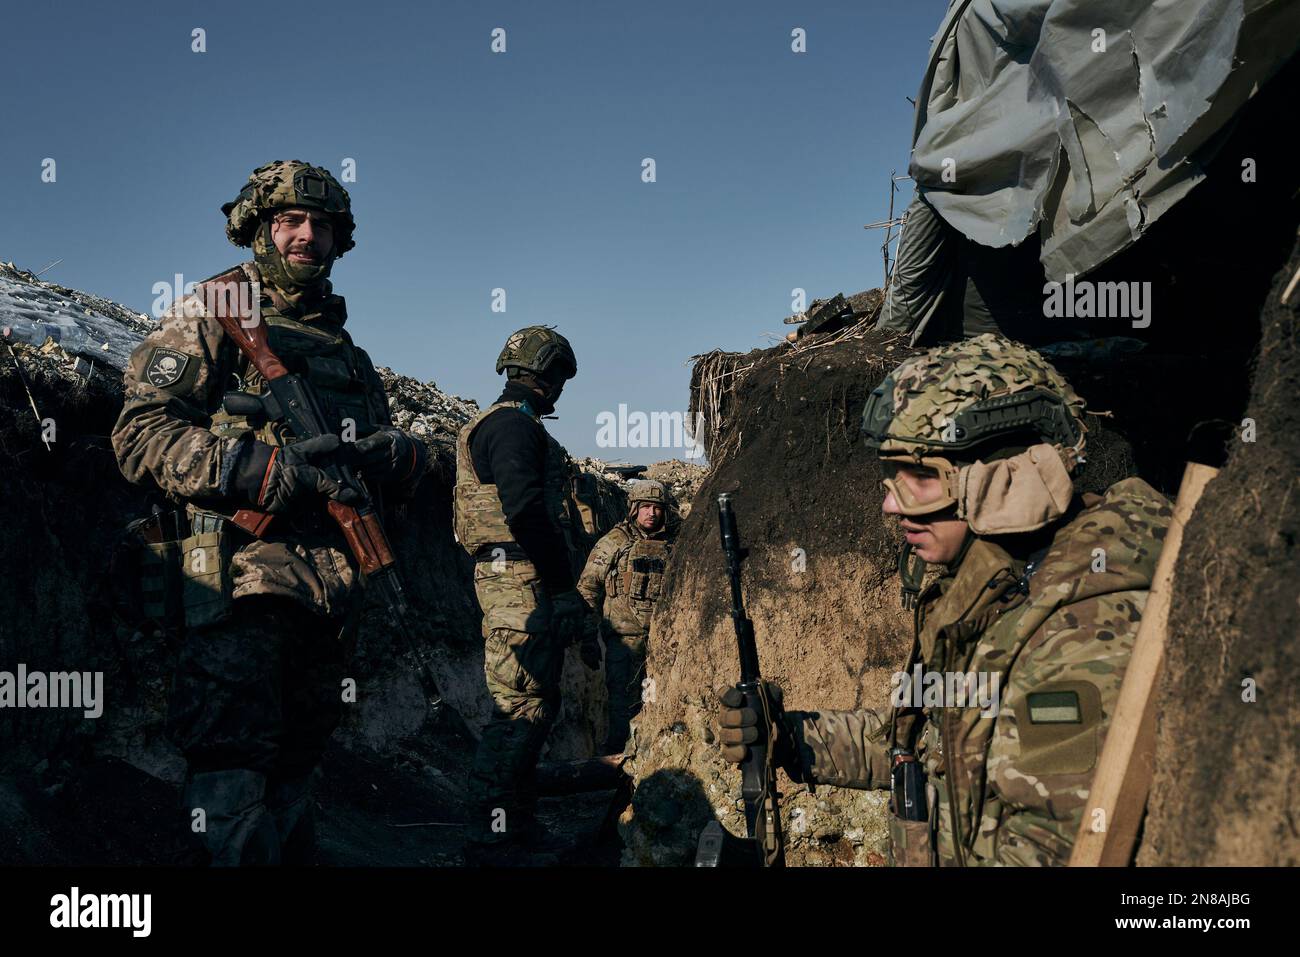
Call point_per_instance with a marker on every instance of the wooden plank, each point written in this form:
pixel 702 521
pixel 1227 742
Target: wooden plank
pixel 1118 797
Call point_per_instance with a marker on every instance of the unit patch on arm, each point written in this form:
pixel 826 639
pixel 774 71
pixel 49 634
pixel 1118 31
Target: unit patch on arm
pixel 165 367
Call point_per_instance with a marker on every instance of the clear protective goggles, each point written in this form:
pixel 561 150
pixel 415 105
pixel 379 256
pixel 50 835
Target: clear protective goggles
pixel 1020 493
pixel 921 486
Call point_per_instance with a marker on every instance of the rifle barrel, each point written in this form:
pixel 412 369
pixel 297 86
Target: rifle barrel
pixel 731 547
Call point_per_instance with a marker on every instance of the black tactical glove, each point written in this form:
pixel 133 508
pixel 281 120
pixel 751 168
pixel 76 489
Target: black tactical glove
pixel 390 456
pixel 569 613
pixel 741 726
pixel 277 479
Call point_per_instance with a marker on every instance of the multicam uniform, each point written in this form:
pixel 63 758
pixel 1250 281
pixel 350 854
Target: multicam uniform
pixel 269 620
pixel 622 581
pixel 1042 604
pixel 518 591
pixel 1057 639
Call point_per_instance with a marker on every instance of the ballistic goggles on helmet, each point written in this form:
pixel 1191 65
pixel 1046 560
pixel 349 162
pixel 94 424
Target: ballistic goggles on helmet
pixel 942 489
pixel 1019 493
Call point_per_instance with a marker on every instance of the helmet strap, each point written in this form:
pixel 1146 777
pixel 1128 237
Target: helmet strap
pixel 911 572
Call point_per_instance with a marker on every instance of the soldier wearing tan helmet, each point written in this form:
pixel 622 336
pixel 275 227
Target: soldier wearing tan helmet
pixel 269 621
pixel 622 582
pixel 1038 597
pixel 517 515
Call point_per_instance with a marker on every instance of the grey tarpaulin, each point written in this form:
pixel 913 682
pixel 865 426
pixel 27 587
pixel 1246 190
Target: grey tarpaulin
pixel 1080 120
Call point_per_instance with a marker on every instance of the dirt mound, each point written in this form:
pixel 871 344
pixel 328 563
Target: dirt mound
pixel 820 591
pixel 821 584
pixel 1228 752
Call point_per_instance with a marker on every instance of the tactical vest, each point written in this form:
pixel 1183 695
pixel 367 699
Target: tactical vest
pixel 479 518
pixel 323 353
pixel 634 582
pixel 318 348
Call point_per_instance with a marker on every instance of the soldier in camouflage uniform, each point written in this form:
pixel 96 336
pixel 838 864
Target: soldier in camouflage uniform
pixel 269 620
pixel 1040 590
pixel 621 582
pixel 518 516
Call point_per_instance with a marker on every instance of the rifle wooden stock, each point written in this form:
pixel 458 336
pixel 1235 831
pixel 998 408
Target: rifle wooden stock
pixel 365 536
pixel 252 521
pixel 245 329
pixel 361 527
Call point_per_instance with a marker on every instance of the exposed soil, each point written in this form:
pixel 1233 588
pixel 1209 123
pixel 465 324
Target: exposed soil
pixel 1228 761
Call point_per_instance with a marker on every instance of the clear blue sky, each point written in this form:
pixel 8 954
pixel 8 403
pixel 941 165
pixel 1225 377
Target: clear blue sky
pixel 478 170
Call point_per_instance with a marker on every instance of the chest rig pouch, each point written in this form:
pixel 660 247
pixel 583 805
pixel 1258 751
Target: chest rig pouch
pixel 145 571
pixel 207 588
pixel 642 571
pixel 323 354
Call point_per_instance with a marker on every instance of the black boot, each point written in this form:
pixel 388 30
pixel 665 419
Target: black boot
pixel 238 830
pixel 290 802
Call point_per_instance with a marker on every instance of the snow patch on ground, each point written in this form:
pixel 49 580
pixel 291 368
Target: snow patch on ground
pixel 33 311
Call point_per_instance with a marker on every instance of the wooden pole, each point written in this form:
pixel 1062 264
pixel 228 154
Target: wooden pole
pixel 1118 797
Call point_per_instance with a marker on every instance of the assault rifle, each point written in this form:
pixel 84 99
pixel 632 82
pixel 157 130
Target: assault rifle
pixel 764 844
pixel 291 399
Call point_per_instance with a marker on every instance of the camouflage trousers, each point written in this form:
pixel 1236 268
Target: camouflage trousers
pixel 624 669
pixel 522 661
pixel 254 701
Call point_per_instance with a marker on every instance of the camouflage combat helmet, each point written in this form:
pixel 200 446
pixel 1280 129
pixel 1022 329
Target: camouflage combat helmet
pixel 289 183
pixel 985 426
pixel 539 350
pixel 646 490
pixel 964 400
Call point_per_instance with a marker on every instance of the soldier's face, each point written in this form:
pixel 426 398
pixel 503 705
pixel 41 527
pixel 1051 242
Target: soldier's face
pixel 937 538
pixel 649 515
pixel 302 236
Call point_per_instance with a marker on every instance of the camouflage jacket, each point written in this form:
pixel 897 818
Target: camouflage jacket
pixel 173 433
pixel 1049 642
pixel 624 575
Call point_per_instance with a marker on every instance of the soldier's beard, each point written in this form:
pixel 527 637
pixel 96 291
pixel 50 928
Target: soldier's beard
pixel 290 278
